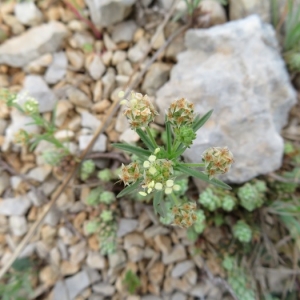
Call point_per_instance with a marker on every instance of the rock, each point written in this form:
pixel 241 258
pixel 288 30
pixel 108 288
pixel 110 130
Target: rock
pixel 155 77
pixel 99 146
pixel 118 57
pixel 58 68
pixel 156 273
pixel 60 291
pixel 20 50
pixel 37 88
pixel 214 13
pixel 179 296
pixel 53 217
pixel 177 254
pixel 139 50
pixel 17 206
pixel 18 225
pixel 226 68
pixel 163 243
pixel 108 12
pixel 3 224
pixel 48 275
pixel 62 109
pixel 158 40
pixel 3 125
pixel 129 136
pixel 103 288
pixel 95 66
pixel 133 239
pixel 108 81
pixel 150 297
pixel 76 58
pixel 78 252
pixel 38 65
pixel 125 68
pixel 101 106
pixel 124 31
pixel 28 13
pixel 4 183
pixel 135 254
pixel 68 268
pixel 96 261
pixel 239 9
pixel 182 268
pixel 79 98
pixel 89 121
pixel 155 230
pixel 77 283
pixel 126 226
pixel 40 173
pixel 117 259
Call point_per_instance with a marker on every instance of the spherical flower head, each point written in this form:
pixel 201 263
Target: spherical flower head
pixel 31 106
pixel 242 231
pixel 139 110
pixel 218 160
pixel 130 173
pixel 22 137
pixel 184 214
pixel 180 113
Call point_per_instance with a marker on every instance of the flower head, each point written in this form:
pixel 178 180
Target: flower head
pixel 184 214
pixel 130 173
pixel 139 110
pixel 218 160
pixel 181 112
pixel 31 106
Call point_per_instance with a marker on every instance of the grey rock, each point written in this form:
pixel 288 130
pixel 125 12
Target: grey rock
pixel 90 121
pixel 155 230
pixel 37 88
pixel 53 217
pixel 117 259
pixel 151 297
pixel 108 12
pixel 124 31
pixel 96 260
pixel 179 296
pixel 178 253
pixel 156 76
pixel 95 66
pixel 96 297
pixel 17 206
pixel 60 290
pixel 40 173
pixel 58 68
pixel 103 288
pixel 77 283
pixel 108 81
pixel 133 239
pixel 93 274
pixel 35 198
pixel 182 268
pixel 139 50
pixel 3 124
pixel 79 98
pixel 3 224
pixel 99 146
pixel 20 50
pixel 18 225
pixel 126 226
pixel 248 87
pixel 28 13
pixel 135 253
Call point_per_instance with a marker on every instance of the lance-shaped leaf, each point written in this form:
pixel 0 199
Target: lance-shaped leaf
pixel 169 137
pixel 202 176
pixel 145 139
pixel 199 122
pixel 140 152
pixel 130 188
pixel 157 201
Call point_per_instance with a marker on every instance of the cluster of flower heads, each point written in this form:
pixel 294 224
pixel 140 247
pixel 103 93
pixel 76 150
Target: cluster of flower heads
pixel 156 174
pixel 184 214
pixel 139 110
pixel 180 113
pixel 218 160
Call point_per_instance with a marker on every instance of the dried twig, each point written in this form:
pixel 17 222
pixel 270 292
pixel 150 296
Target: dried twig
pixel 113 109
pixel 283 179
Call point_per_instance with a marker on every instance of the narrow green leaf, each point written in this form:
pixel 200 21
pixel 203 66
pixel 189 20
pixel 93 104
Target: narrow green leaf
pixel 169 137
pixel 202 176
pixel 200 122
pixel 129 189
pixel 133 149
pixel 157 200
pixel 145 139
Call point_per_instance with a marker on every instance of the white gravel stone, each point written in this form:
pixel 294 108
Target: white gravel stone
pixel 17 206
pixel 182 268
pixel 20 50
pixel 124 31
pixel 99 146
pixel 40 173
pixel 28 13
pixel 58 68
pixel 126 226
pixel 18 225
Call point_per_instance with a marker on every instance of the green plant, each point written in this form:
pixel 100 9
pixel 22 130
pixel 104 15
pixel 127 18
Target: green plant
pixel 17 283
pixel 30 107
pixel 242 232
pixel 157 170
pixel 87 168
pixel 131 281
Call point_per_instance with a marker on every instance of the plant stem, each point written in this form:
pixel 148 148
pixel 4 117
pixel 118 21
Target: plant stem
pixel 174 198
pixel 200 165
pixel 151 137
